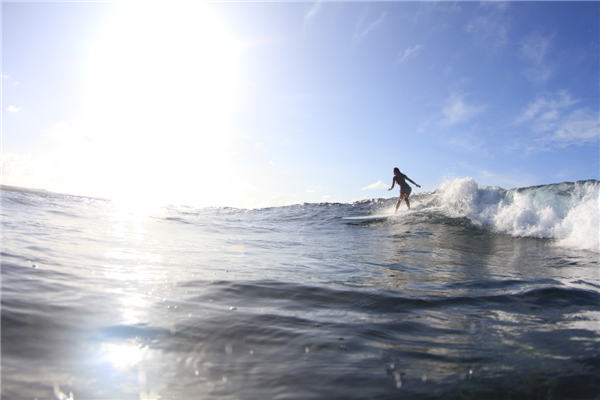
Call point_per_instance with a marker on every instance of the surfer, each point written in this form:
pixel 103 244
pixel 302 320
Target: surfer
pixel 405 188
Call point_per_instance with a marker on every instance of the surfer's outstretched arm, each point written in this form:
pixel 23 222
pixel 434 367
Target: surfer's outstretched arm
pixel 393 183
pixel 413 182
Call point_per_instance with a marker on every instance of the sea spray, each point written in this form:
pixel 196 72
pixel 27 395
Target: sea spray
pixel 580 227
pixel 567 212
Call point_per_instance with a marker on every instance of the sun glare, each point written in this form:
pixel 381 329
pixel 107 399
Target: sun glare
pixel 121 356
pixel 161 92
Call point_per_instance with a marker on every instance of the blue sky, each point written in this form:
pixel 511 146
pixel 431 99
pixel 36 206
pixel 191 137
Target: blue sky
pixel 264 103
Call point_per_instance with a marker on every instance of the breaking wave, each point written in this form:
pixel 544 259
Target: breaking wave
pixel 567 212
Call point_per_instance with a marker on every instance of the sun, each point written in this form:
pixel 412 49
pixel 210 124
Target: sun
pixel 161 92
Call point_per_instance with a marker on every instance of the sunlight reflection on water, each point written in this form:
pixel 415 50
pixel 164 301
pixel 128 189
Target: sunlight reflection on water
pixel 121 356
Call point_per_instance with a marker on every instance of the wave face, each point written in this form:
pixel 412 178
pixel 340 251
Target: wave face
pixel 476 292
pixel 567 212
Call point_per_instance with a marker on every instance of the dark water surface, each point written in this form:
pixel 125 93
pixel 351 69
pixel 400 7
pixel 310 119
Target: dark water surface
pixel 300 302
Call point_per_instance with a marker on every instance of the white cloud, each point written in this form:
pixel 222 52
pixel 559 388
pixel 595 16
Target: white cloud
pixel 547 107
pixel 533 51
pixel 456 110
pixel 375 186
pixel 491 28
pixel 363 28
pixel 409 52
pixel 555 122
pixel 534 48
pixel 13 109
pixel 580 126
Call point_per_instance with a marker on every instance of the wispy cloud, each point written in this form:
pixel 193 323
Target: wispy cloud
pixel 555 122
pixel 533 50
pixel 578 127
pixel 13 109
pixel 375 186
pixel 546 107
pixel 409 52
pixel 491 26
pixel 456 110
pixel 364 26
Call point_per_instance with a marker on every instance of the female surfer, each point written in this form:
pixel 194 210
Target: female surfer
pixel 405 189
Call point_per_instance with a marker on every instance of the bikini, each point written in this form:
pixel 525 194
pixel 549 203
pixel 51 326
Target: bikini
pixel 404 187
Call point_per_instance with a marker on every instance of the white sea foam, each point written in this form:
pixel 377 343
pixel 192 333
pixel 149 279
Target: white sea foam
pixel 567 212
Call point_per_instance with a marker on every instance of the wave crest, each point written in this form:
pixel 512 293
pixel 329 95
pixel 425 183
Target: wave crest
pixel 567 212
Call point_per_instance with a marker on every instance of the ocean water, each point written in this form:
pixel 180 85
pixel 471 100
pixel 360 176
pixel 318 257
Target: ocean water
pixel 476 292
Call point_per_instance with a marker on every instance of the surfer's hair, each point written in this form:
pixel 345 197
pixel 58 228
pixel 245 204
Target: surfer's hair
pixel 396 170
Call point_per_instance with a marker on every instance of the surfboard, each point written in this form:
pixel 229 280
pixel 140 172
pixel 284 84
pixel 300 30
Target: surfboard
pixel 367 218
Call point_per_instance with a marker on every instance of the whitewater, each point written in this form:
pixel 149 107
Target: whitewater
pixel 567 212
pixel 475 292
